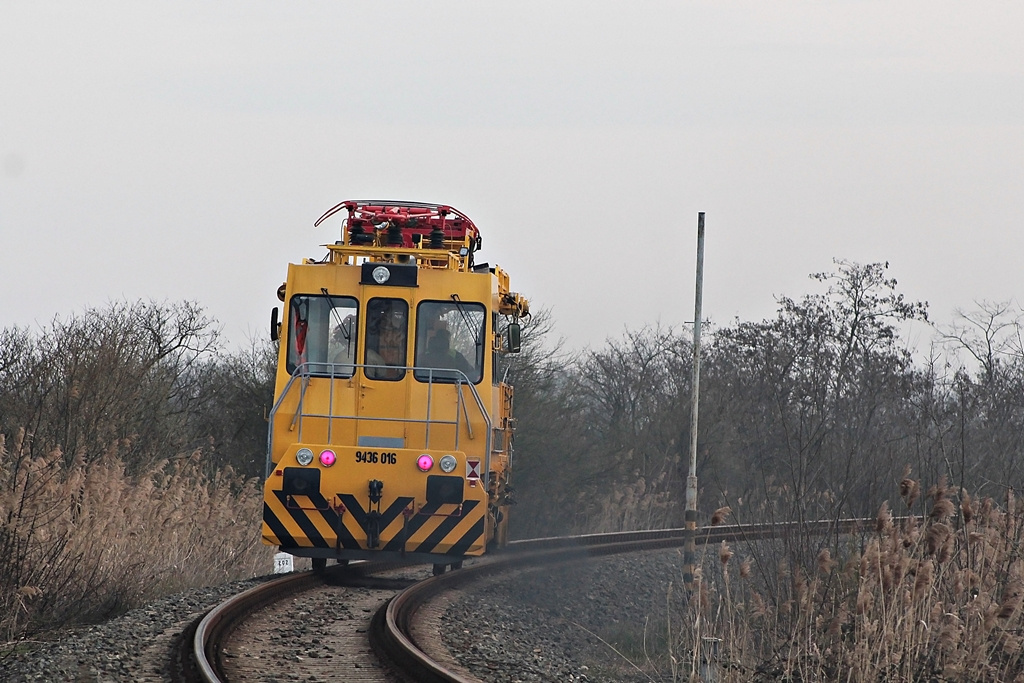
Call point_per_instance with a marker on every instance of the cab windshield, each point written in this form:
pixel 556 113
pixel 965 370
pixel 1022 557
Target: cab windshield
pixel 449 341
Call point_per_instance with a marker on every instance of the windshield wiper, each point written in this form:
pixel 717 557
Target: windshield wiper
pixel 475 332
pixel 345 331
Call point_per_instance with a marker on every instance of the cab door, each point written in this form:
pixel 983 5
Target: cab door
pixel 384 380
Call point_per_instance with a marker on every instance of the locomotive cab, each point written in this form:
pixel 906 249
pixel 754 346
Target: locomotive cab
pixel 391 433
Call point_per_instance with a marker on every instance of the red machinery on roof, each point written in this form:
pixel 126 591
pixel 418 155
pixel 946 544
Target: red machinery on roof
pixel 405 224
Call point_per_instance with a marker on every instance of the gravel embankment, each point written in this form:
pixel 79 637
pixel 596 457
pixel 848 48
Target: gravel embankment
pixel 568 623
pixel 554 623
pixel 132 647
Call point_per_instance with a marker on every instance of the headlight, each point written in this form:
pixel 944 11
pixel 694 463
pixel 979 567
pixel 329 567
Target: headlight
pixel 447 463
pixel 304 456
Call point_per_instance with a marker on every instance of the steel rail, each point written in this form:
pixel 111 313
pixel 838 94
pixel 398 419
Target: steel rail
pixel 215 627
pixel 709 534
pixel 392 626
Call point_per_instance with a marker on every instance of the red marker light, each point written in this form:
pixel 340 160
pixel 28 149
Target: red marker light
pixel 327 458
pixel 424 462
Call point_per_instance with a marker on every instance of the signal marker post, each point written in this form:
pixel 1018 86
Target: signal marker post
pixel 690 547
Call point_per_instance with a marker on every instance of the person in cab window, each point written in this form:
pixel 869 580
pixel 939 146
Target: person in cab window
pixel 431 322
pixel 386 341
pixel 343 341
pixel 440 354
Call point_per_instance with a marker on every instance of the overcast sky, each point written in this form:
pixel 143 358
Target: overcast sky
pixel 183 150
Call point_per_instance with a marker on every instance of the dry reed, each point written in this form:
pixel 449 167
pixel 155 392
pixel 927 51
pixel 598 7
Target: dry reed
pixel 84 541
pixel 933 597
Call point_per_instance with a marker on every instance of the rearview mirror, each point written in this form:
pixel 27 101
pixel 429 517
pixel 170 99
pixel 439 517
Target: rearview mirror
pixel 275 326
pixel 514 338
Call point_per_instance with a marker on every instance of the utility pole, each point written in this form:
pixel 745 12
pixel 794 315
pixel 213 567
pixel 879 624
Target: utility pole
pixel 690 547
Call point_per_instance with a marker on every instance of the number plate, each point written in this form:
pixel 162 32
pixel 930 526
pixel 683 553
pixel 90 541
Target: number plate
pixel 376 457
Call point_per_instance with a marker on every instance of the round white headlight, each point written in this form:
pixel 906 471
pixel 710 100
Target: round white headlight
pixel 447 463
pixel 381 275
pixel 304 456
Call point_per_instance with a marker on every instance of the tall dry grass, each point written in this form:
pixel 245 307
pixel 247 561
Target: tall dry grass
pixel 935 596
pixel 86 540
pixel 627 507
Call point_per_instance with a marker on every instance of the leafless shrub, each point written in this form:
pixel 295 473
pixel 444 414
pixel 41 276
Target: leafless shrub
pixel 126 469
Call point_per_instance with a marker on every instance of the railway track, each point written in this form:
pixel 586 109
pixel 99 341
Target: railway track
pixel 203 654
pixel 393 631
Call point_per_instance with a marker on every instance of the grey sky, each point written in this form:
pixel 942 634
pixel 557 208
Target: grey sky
pixel 184 150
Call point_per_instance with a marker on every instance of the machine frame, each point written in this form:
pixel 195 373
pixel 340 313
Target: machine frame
pixel 391 433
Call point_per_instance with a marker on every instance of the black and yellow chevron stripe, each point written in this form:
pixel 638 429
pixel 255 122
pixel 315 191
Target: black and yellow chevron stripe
pixel 310 521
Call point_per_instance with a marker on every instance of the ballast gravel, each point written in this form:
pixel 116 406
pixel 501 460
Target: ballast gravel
pixel 135 646
pixel 592 622
pixel 578 622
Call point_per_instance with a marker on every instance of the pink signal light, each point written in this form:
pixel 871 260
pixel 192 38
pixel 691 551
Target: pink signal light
pixel 424 462
pixel 327 458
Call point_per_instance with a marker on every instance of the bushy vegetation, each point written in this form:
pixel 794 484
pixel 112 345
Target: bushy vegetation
pixel 819 413
pixel 130 450
pixel 812 414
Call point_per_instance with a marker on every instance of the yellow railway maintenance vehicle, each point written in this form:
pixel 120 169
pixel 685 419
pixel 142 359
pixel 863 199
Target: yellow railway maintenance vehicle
pixel 391 431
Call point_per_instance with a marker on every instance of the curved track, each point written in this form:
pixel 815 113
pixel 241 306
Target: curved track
pixel 392 632
pixel 198 653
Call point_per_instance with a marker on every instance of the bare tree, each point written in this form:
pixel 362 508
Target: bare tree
pixel 125 374
pixel 991 335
